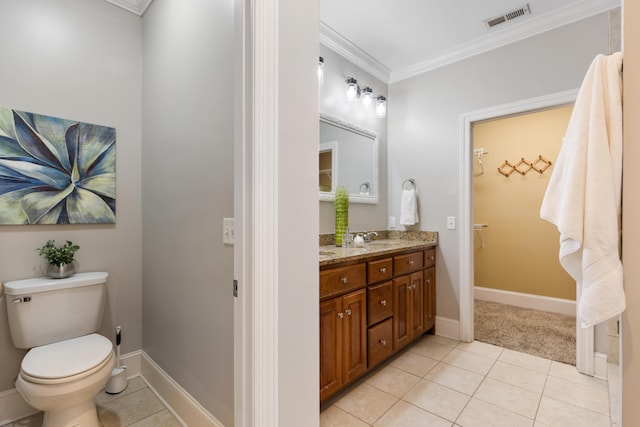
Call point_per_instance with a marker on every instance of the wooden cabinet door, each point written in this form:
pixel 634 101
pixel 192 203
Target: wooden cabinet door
pixel 416 305
pixel 379 302
pixel 429 298
pixel 401 313
pixel 330 346
pixel 354 333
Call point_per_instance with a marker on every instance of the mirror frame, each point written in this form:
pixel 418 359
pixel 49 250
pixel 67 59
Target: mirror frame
pixel 375 188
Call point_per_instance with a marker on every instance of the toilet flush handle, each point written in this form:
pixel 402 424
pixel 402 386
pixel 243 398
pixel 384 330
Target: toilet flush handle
pixel 21 299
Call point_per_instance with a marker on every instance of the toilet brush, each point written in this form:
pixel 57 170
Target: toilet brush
pixel 118 380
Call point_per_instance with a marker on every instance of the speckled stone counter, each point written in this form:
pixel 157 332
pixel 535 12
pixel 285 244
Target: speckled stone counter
pixel 330 254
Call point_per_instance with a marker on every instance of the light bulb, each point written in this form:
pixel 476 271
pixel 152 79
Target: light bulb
pixel 352 89
pixel 321 70
pixel 381 106
pixel 367 97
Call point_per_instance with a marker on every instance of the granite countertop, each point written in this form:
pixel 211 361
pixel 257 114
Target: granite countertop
pixel 334 255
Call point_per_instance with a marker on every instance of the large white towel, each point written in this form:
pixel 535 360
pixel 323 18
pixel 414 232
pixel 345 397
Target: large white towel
pixel 583 198
pixel 408 208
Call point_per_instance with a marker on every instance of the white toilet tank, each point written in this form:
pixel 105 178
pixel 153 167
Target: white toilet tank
pixel 43 310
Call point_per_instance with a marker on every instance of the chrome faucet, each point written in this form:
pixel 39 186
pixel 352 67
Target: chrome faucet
pixel 367 236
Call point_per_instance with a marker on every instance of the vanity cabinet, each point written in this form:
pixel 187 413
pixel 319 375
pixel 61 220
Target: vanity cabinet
pixel 369 309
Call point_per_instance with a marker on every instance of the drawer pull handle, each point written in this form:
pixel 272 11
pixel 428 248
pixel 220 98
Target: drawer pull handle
pixel 340 315
pixel 432 257
pixel 348 312
pixel 411 262
pixel 383 302
pixel 383 270
pixel 345 280
pixel 383 342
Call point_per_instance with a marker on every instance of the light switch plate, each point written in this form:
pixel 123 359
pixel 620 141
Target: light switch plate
pixel 392 222
pixel 228 231
pixel 451 223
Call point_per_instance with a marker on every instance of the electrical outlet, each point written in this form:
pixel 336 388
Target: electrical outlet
pixel 451 223
pixel 392 222
pixel 228 231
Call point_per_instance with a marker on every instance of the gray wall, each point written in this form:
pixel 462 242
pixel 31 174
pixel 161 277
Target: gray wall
pixel 78 60
pixel 187 182
pixel 333 101
pixel 424 123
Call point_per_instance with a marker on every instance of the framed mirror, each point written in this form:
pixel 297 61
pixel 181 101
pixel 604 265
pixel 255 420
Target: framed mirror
pixel 348 157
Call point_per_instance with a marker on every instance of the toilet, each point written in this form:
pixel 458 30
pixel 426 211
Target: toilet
pixel 68 363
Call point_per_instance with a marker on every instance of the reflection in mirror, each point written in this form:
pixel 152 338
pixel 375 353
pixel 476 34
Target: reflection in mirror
pixel 348 157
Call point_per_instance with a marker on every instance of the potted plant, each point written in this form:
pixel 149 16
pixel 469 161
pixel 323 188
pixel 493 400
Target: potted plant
pixel 60 258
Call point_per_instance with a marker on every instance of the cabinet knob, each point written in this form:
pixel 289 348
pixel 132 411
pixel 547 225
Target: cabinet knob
pixel 340 315
pixel 345 280
pixel 383 342
pixel 432 257
pixel 383 302
pixel 410 262
pixel 383 270
pixel 427 281
pixel 348 312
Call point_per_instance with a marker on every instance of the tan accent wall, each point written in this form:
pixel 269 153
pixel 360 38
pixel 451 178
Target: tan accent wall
pixel 520 252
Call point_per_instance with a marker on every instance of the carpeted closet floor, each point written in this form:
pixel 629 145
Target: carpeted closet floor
pixel 540 333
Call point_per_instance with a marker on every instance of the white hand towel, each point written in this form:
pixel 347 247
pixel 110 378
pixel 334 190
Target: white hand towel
pixel 583 198
pixel 408 208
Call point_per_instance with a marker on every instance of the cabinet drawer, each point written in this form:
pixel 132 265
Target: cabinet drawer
pixel 337 281
pixel 379 302
pixel 429 257
pixel 380 270
pixel 407 263
pixel 380 342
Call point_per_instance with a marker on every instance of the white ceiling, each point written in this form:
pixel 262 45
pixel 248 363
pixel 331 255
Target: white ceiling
pixel 397 39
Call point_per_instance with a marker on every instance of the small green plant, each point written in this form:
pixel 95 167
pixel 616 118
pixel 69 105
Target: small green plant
pixel 58 255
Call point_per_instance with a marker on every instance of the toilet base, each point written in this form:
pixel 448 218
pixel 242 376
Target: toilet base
pixel 83 415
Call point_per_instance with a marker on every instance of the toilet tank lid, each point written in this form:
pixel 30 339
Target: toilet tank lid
pixel 42 284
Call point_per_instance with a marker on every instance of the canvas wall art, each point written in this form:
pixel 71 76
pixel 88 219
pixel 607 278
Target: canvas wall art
pixel 56 171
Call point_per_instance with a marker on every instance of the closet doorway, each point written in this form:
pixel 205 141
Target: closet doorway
pixel 524 300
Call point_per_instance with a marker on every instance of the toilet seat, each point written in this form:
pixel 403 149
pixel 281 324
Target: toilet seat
pixel 66 361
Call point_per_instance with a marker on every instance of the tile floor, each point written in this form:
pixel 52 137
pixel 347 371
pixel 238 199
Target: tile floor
pixel 136 406
pixel 440 382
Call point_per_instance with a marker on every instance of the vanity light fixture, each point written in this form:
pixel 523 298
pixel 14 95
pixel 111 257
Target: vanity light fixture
pixel 367 97
pixel 353 90
pixel 381 106
pixel 321 70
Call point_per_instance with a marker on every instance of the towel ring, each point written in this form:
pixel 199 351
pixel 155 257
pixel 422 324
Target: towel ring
pixel 410 181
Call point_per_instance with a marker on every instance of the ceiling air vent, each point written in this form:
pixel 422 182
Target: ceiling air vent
pixel 509 16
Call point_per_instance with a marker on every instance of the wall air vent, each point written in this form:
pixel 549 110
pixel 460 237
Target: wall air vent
pixel 509 16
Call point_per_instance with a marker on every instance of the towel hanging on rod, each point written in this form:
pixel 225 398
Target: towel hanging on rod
pixel 410 181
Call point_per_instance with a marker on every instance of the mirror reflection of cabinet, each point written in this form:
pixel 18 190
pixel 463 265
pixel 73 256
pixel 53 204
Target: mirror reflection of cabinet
pixel 348 156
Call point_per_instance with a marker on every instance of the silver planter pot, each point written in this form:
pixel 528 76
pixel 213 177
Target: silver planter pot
pixel 60 271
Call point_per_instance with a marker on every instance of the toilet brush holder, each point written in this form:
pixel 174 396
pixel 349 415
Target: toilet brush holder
pixel 118 380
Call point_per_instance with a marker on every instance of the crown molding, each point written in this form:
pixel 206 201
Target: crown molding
pixel 336 42
pixel 134 6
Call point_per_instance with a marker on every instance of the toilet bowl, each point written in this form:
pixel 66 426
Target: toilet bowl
pixel 62 378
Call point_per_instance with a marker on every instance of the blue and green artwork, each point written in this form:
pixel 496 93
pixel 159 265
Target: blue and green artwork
pixel 56 171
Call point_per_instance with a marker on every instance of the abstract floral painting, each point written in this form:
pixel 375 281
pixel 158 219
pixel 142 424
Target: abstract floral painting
pixel 56 171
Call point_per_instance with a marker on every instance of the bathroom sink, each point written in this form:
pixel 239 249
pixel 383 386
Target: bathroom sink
pixel 326 253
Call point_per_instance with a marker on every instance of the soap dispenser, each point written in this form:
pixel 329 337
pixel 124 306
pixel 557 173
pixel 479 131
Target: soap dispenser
pixel 358 241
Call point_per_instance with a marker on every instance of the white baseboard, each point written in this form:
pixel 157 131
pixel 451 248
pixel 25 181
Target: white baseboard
pixel 537 302
pixel 13 407
pixel 448 328
pixel 184 407
pixel 600 368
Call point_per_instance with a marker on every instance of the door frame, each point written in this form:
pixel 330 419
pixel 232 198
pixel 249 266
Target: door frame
pixel 584 337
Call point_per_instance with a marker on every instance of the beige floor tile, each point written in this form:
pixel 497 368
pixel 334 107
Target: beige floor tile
pixel 414 363
pixel 430 349
pixel 518 376
pixel 555 413
pixel 509 397
pixel 585 396
pixel 469 361
pixel 438 399
pixel 459 379
pixel 569 372
pixel 403 414
pixel 159 419
pixel 336 417
pixel 393 381
pixel 482 414
pixel 481 348
pixel 134 384
pixel 32 421
pixel 440 340
pixel 129 409
pixel 527 361
pixel 366 402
